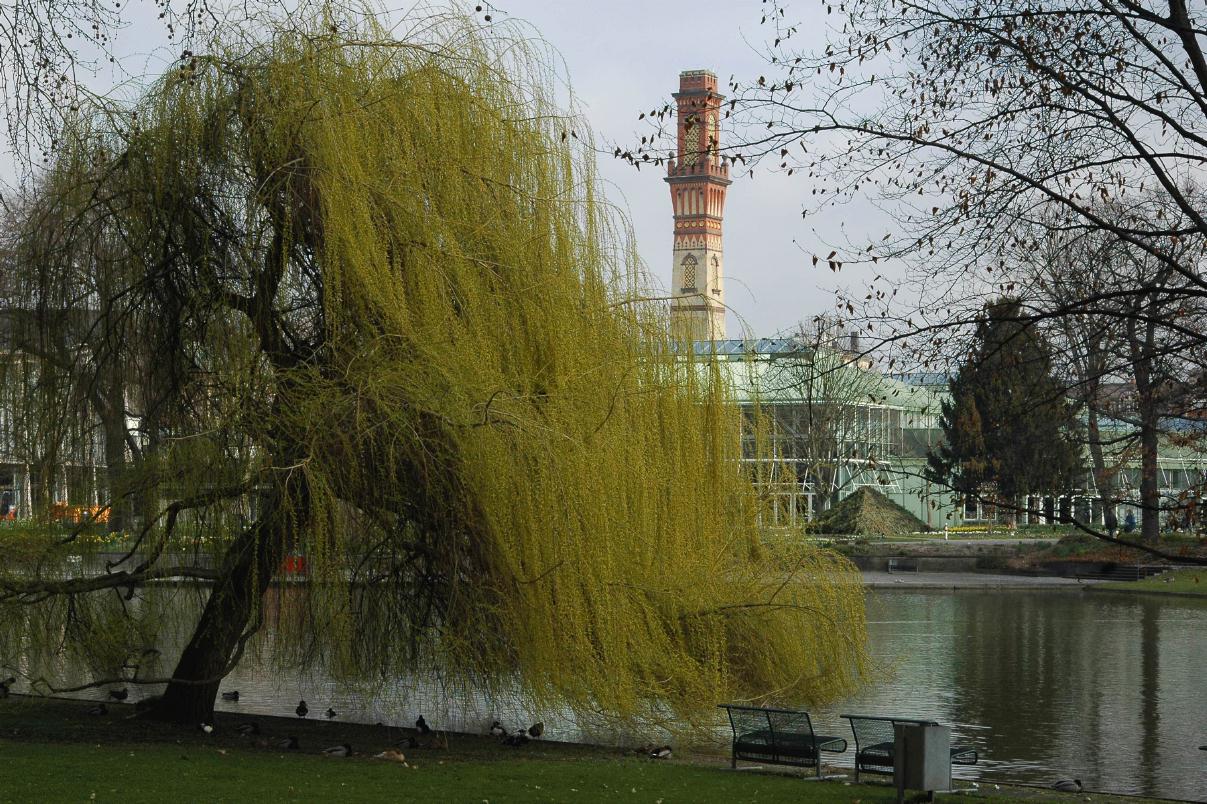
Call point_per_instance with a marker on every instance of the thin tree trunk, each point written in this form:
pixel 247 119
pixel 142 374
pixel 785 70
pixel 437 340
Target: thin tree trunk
pixel 1104 479
pixel 113 422
pixel 1141 350
pixel 1150 495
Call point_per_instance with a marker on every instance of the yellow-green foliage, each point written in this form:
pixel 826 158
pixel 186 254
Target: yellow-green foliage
pixel 489 395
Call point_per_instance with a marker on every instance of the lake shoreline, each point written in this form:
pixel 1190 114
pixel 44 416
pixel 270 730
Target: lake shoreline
pixel 951 581
pixel 875 579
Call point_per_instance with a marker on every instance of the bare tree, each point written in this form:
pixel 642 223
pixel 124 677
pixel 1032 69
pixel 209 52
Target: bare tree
pixel 832 423
pixel 980 123
pixel 1085 348
pixel 1127 353
pixel 47 48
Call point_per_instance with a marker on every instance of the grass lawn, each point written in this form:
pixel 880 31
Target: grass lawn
pixel 157 773
pixel 1191 581
pixel 51 751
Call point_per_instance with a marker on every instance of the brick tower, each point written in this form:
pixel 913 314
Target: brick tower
pixel 698 179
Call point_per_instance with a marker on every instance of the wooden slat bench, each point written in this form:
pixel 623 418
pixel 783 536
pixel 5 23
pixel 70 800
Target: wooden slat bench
pixel 778 737
pixel 875 741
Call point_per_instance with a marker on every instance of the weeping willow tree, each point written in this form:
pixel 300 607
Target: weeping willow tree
pixel 358 299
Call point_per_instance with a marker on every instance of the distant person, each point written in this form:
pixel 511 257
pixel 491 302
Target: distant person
pixel 1129 522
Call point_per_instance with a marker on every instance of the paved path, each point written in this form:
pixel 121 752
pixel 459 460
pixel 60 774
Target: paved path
pixel 963 580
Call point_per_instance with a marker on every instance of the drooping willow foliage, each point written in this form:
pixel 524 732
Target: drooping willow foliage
pixel 365 305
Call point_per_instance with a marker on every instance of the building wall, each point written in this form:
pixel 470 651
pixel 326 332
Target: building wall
pixel 883 438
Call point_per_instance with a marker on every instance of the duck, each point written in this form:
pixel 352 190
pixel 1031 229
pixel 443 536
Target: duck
pixel 536 729
pixel 421 726
pixel 1067 785
pixel 119 695
pixel 330 713
pixel 517 740
pixel 290 743
pixel 341 750
pixel 248 729
pixel 497 730
pixel 661 753
pixel 302 709
pixel 205 728
pixel 408 742
pixel 233 696
pixel 391 754
pixel 99 709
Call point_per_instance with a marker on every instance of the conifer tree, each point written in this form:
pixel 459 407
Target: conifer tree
pixel 1008 429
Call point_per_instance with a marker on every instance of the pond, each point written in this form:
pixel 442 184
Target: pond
pixel 1046 684
pixel 1109 689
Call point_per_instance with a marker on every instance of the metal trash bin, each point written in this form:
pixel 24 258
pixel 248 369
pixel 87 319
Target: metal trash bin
pixel 921 757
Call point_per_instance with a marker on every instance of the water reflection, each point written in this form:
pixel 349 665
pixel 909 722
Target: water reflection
pixel 1105 688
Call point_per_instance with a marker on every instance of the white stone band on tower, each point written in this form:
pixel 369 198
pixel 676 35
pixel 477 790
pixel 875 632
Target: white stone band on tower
pixel 698 179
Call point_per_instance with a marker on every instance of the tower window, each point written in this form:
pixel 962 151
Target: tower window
pixel 689 271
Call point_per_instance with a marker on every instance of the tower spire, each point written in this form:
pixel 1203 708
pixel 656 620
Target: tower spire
pixel 698 179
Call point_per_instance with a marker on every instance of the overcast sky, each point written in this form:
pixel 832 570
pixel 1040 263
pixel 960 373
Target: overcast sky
pixel 623 57
pixel 628 60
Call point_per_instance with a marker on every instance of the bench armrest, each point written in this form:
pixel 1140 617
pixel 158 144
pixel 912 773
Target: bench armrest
pixel 835 745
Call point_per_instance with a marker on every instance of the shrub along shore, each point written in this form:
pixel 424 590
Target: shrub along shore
pixel 52 750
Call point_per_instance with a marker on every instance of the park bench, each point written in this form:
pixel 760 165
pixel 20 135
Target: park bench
pixel 875 742
pixel 778 737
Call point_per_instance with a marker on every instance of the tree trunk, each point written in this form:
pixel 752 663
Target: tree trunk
pixel 1142 359
pixel 1103 479
pixel 1150 495
pixel 113 422
pixel 247 568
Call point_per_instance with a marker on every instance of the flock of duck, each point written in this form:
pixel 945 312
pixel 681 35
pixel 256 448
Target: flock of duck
pixel 424 737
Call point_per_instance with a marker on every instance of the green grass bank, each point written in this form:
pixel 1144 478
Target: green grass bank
pixel 51 751
pixel 1191 582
